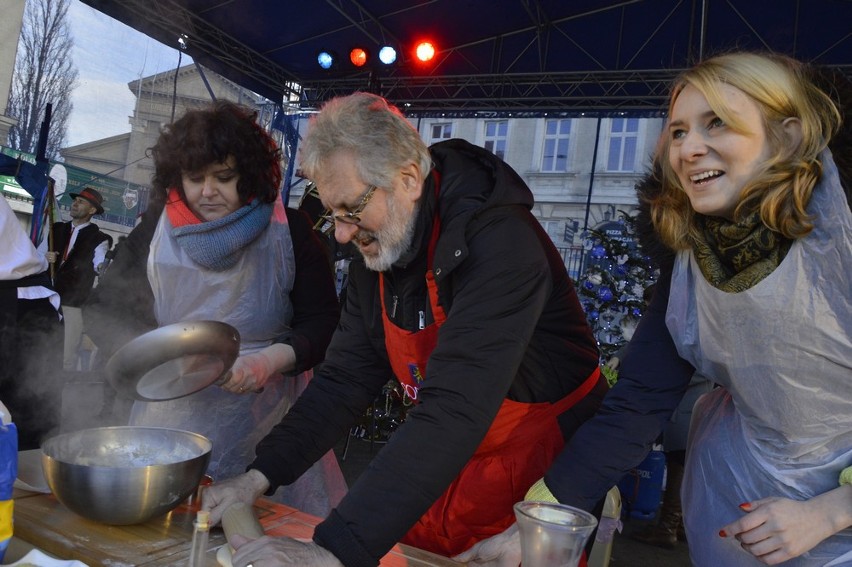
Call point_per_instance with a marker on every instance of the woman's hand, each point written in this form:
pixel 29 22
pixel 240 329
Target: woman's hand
pixel 219 496
pixel 278 551
pixel 251 371
pixel 777 529
pixel 502 550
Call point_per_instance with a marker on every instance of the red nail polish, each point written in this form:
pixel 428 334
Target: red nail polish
pixel 723 533
pixel 745 506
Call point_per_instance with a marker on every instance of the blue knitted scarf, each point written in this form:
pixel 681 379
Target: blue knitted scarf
pixel 217 245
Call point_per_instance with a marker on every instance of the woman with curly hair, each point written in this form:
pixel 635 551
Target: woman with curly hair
pixel 216 243
pixel 750 215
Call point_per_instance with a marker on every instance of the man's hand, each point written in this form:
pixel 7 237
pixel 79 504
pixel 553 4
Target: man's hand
pixel 279 551
pixel 219 496
pixel 502 550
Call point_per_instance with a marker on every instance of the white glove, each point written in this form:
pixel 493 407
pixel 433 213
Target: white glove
pixel 251 371
pixel 219 496
pixel 502 550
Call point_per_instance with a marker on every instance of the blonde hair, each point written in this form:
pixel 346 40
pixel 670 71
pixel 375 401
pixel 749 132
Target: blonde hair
pixel 369 128
pixel 782 188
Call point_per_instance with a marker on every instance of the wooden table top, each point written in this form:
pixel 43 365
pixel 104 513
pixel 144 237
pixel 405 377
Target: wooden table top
pixel 41 520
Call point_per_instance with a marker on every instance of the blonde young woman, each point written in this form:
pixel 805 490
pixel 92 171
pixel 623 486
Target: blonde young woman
pixel 756 296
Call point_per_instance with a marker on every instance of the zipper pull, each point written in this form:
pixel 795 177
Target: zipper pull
pixel 422 320
pixel 393 308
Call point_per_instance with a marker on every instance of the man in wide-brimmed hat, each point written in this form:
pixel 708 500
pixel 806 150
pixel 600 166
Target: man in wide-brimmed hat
pixel 78 248
pixel 92 197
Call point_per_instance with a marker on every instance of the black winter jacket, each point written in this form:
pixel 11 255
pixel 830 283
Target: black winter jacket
pixel 514 329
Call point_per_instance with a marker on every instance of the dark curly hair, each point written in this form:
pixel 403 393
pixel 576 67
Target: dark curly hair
pixel 202 137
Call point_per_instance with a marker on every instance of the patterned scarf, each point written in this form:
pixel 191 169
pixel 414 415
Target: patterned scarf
pixel 734 257
pixel 217 245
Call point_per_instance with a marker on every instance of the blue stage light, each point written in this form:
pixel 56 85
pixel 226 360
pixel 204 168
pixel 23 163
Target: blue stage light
pixel 325 59
pixel 387 55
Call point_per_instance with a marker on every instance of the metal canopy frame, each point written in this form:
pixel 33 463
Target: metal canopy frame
pixel 635 92
pixel 164 19
pixel 549 59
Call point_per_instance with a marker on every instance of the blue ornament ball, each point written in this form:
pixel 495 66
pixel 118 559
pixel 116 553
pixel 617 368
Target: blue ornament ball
pixel 636 312
pixel 598 251
pixel 588 285
pixel 605 294
pixel 593 315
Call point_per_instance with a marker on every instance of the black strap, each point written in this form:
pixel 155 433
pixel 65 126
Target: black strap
pixel 42 279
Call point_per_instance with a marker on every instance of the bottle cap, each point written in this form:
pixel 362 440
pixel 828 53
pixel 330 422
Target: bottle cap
pixel 202 519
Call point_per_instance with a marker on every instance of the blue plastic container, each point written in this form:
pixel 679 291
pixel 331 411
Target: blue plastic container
pixel 8 474
pixel 642 488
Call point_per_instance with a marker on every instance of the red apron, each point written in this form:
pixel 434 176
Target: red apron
pixel 517 450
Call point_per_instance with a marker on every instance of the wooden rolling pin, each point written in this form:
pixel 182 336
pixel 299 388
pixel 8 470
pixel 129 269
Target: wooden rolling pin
pixel 239 519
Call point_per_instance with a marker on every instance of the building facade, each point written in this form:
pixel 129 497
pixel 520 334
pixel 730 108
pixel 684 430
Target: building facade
pixel 582 170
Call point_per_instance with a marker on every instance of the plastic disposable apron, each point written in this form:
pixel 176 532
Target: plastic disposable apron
pixel 781 425
pixel 520 445
pixel 254 297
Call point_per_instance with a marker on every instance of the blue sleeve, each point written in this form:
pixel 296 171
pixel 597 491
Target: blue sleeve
pixel 651 382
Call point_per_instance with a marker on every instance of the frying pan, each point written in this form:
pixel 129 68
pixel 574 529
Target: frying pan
pixel 174 361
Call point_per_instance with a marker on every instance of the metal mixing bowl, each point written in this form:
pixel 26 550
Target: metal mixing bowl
pixel 124 475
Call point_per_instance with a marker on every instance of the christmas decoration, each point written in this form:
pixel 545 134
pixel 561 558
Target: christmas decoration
pixel 613 283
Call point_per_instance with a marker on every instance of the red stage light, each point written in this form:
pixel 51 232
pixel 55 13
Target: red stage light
pixel 358 57
pixel 424 51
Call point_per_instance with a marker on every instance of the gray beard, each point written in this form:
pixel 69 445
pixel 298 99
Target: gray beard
pixel 394 239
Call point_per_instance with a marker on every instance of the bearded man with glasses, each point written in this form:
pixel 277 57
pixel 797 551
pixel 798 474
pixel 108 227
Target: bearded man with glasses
pixel 461 295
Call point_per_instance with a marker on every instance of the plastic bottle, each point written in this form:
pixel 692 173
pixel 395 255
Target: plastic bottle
pixel 200 537
pixel 8 474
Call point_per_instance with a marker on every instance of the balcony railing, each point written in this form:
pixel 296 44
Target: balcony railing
pixel 574 257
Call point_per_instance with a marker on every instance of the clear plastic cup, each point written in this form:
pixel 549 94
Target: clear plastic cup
pixel 552 535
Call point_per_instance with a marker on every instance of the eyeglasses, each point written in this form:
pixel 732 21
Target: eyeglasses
pixel 353 216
